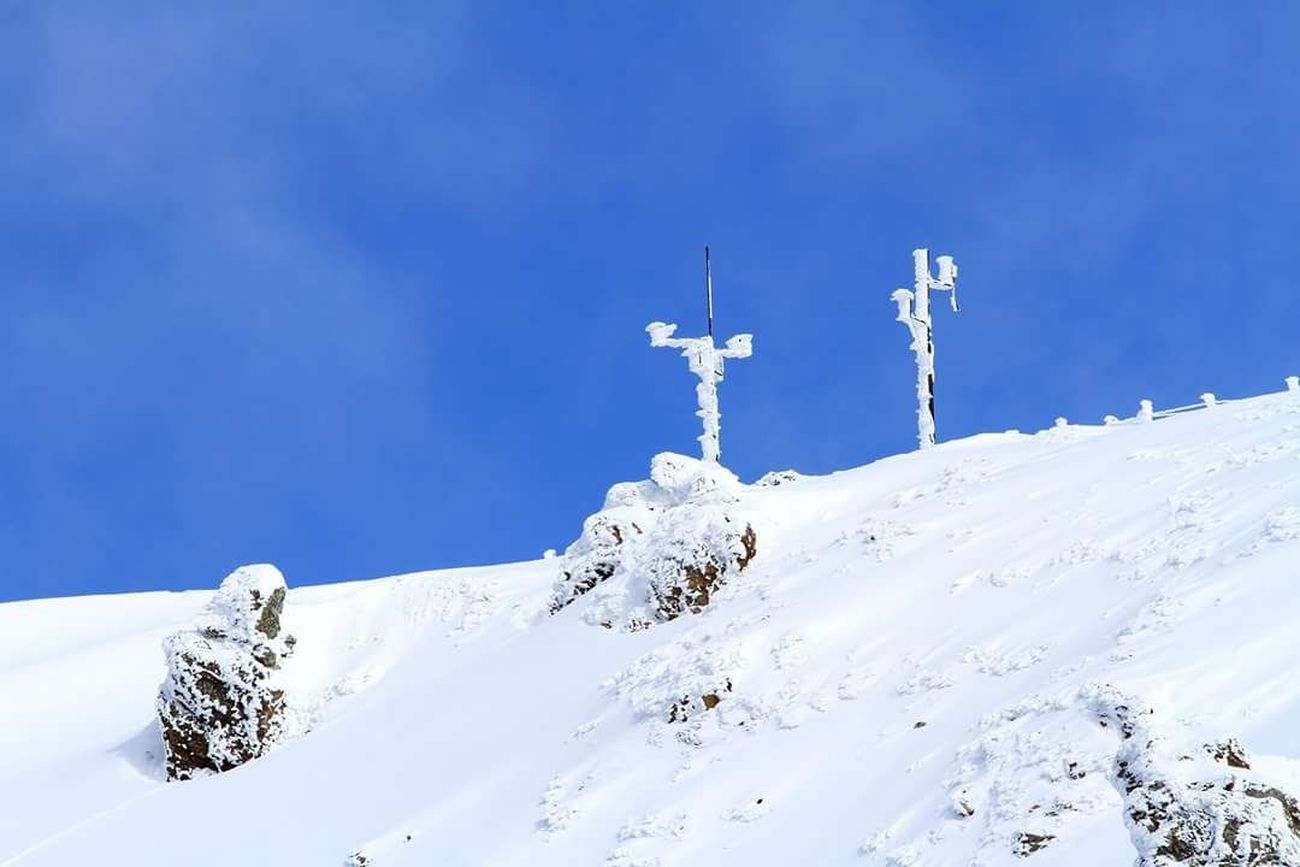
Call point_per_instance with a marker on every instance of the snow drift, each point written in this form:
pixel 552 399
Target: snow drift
pixel 1071 648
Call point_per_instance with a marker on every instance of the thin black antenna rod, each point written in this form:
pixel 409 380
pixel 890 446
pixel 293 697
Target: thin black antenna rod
pixel 708 285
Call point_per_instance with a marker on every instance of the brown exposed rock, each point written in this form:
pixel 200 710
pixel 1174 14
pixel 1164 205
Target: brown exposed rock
pixel 698 580
pixel 1230 753
pixel 686 707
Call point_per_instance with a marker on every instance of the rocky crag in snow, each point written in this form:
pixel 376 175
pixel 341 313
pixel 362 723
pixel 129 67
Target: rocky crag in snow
pixel 221 704
pixel 1198 807
pixel 659 548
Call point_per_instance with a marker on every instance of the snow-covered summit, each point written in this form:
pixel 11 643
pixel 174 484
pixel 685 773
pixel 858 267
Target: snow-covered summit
pixel 1071 648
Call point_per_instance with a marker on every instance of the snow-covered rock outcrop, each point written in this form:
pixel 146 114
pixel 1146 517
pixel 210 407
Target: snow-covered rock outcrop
pixel 659 548
pixel 221 704
pixel 1199 806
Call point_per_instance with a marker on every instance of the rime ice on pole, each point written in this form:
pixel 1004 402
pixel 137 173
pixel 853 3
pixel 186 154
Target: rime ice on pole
pixel 914 312
pixel 706 362
pixel 1146 411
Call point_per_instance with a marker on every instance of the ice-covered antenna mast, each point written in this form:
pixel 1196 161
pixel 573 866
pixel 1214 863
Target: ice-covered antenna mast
pixel 706 362
pixel 708 286
pixel 914 312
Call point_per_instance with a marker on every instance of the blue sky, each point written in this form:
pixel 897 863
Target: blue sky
pixel 359 288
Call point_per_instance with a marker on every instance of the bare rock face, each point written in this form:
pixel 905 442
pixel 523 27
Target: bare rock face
pixel 1199 807
pixel 220 704
pixel 659 548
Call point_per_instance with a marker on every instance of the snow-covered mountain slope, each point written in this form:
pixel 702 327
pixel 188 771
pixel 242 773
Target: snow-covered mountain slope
pixel 914 669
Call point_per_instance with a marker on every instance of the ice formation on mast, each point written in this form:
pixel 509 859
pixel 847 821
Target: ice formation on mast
pixel 705 361
pixel 914 312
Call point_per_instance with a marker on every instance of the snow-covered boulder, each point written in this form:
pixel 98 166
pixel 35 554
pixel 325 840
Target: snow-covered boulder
pixel 659 548
pixel 221 703
pixel 690 553
pixel 595 556
pixel 775 478
pixel 1197 807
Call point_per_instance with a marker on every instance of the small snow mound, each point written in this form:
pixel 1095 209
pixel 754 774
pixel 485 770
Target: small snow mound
pixel 775 478
pixel 247 605
pixel 684 478
pixel 1283 526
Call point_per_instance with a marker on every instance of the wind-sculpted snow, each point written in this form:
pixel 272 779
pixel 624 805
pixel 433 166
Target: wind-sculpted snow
pixel 221 704
pixel 911 672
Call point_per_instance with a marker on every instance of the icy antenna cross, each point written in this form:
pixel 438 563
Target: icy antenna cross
pixel 706 362
pixel 914 312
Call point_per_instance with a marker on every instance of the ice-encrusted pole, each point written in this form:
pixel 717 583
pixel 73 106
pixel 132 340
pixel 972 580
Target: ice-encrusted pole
pixel 706 362
pixel 914 312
